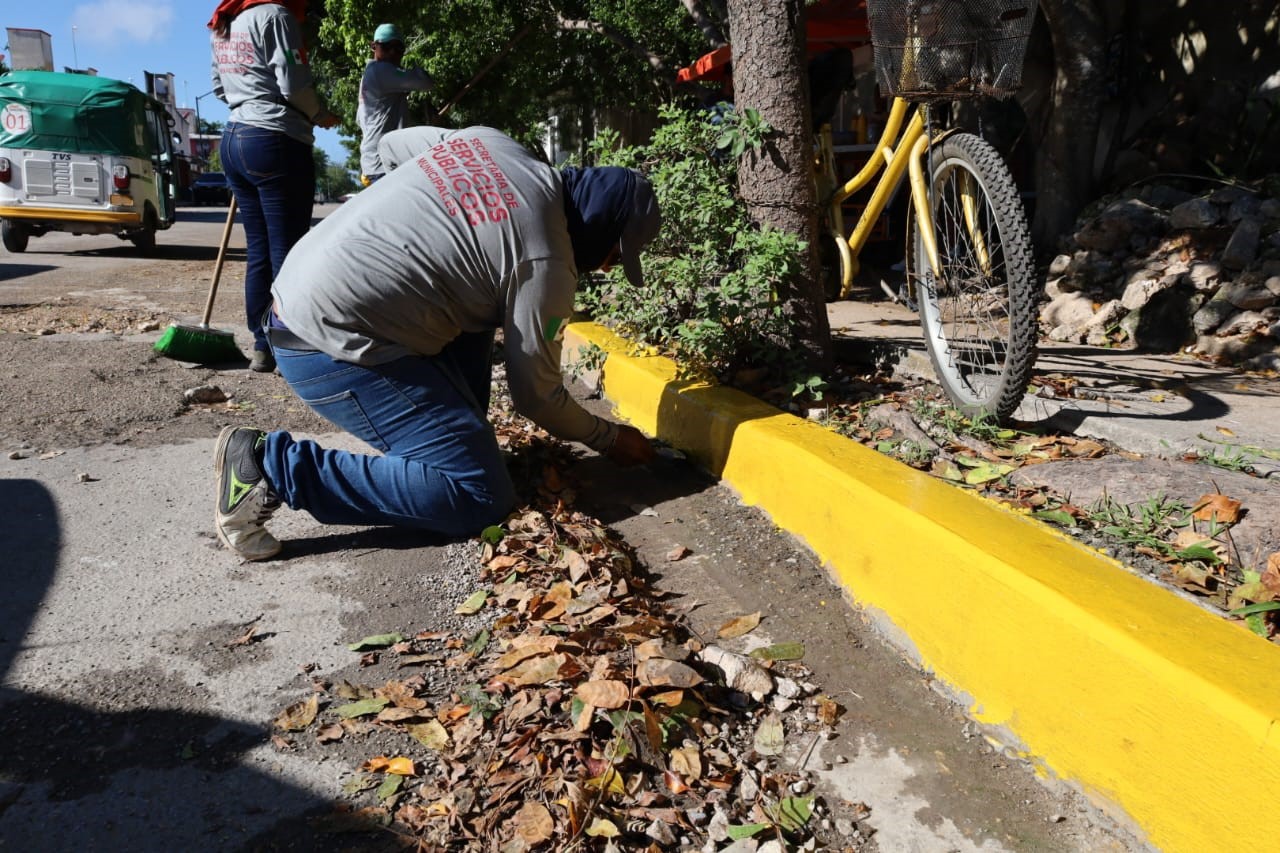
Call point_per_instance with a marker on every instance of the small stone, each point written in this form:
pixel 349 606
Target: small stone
pixel 205 394
pixel 148 326
pixel 801 786
pixel 1242 248
pixel 82 477
pixel 660 831
pixel 1196 213
pixel 1247 297
pixel 1205 275
pixel 840 759
pixel 44 331
pixel 17 454
pixel 782 704
pixel 1057 818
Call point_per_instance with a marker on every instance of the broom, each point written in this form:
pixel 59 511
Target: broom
pixel 202 344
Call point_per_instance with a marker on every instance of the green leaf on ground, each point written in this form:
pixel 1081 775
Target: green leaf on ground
pixel 390 786
pixel 769 739
pixel 1260 607
pixel 793 813
pixel 779 651
pixel 377 641
pixel 746 830
pixel 479 642
pixel 492 534
pixel 1055 516
pixel 473 604
pixel 363 708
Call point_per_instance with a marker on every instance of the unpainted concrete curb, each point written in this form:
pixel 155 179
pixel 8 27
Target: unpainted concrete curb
pixel 1163 714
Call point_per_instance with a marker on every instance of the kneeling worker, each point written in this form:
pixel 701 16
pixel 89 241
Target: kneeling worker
pixel 384 322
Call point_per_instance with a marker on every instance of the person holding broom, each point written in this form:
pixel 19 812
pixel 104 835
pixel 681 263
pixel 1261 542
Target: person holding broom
pixel 384 321
pixel 260 70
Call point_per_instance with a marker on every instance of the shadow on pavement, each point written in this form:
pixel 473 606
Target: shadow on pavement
pixel 77 776
pixel 13 271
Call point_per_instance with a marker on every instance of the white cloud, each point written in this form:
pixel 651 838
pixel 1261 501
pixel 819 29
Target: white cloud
pixel 123 21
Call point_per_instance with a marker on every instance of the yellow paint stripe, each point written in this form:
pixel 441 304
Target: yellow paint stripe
pixel 1164 714
pixel 64 215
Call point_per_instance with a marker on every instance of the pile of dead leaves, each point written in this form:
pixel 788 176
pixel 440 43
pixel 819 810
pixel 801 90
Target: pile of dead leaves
pixel 585 714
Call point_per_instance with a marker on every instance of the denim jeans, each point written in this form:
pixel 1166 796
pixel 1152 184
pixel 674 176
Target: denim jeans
pixel 274 181
pixel 441 468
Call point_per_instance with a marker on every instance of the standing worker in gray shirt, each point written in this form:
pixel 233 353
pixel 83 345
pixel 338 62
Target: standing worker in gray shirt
pixel 384 321
pixel 260 70
pixel 384 97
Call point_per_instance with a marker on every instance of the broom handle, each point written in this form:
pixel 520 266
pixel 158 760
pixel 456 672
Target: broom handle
pixel 222 256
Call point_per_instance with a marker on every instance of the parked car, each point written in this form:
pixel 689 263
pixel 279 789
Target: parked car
pixel 211 188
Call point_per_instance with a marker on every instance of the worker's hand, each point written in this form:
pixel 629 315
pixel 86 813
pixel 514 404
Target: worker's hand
pixel 631 447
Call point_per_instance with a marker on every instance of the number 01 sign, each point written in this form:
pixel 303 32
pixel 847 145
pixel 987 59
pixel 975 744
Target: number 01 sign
pixel 15 118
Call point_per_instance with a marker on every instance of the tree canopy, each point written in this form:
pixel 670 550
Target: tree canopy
pixel 574 58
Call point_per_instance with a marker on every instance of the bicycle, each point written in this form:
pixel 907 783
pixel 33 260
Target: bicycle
pixel 969 262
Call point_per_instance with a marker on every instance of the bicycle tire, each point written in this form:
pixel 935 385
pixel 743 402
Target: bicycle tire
pixel 980 322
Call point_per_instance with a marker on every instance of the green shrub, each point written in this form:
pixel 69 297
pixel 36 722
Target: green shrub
pixel 711 277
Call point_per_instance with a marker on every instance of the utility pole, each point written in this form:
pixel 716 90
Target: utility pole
pixel 75 56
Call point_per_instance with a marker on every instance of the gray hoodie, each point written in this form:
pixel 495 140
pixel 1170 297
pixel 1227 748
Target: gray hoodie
pixel 260 71
pixel 468 234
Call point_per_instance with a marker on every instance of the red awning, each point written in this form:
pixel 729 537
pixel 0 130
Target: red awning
pixel 829 24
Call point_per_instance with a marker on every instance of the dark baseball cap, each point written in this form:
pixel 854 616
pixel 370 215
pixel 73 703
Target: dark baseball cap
pixel 642 226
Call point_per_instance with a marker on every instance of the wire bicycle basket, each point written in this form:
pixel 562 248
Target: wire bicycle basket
pixel 945 49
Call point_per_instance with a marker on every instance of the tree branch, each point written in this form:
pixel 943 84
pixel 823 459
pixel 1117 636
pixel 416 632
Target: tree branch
pixel 619 38
pixel 709 27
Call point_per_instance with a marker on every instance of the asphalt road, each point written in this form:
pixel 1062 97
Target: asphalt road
pixel 131 721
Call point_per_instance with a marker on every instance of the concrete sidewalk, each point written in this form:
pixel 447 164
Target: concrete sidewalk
pixel 1142 700
pixel 1161 405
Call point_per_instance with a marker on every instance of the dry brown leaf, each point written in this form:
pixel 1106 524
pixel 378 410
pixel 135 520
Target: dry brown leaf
pixel 658 672
pixel 1217 507
pixel 677 554
pixel 1271 575
pixel 669 698
pixel 605 693
pixel 576 564
pixel 247 637
pixel 396 714
pixel 329 734
pixel 687 761
pixel 299 715
pixel 1225 431
pixel 534 824
pixel 674 783
pixel 526 647
pixel 828 710
pixel 401 765
pixel 738 626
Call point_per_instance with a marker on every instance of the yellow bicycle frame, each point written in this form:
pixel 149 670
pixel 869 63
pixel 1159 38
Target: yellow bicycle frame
pixel 897 156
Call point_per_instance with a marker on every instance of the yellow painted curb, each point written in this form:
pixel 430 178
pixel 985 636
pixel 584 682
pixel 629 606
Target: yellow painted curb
pixel 1161 712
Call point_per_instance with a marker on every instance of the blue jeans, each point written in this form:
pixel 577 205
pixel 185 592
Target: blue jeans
pixel 274 180
pixel 441 469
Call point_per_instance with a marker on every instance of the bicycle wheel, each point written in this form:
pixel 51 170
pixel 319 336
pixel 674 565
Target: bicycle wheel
pixel 979 314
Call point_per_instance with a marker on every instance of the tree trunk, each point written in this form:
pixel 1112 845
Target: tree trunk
pixel 1067 150
pixel 776 180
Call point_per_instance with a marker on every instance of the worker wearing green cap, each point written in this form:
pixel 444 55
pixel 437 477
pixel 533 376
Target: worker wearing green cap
pixel 384 97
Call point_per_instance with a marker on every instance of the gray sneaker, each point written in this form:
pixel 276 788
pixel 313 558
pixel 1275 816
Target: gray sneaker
pixel 245 498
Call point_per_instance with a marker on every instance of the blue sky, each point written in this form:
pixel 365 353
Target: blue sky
pixel 124 38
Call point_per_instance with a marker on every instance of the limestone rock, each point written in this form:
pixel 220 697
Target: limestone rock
pixel 1242 248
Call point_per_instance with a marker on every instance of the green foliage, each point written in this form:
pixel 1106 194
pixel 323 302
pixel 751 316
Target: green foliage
pixel 712 278
pixel 742 132
pixel 554 68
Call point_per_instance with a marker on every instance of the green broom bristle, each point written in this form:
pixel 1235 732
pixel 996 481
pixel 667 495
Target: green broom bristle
pixel 199 344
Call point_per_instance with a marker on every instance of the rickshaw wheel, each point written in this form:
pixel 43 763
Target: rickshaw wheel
pixel 14 236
